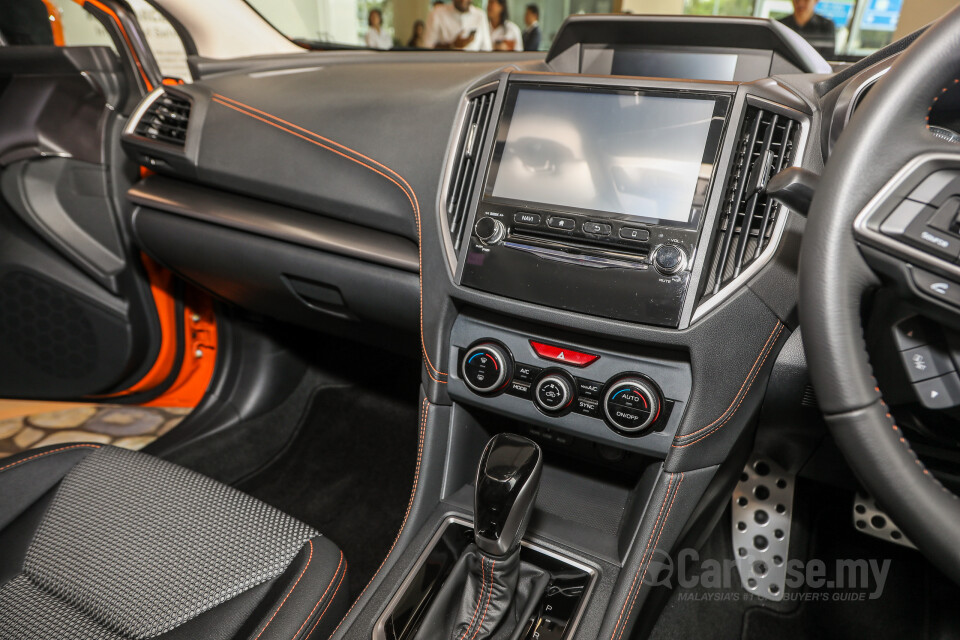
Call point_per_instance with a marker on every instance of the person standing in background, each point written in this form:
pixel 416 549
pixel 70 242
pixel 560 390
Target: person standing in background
pixel 377 37
pixel 531 35
pixel 505 35
pixel 416 40
pixel 815 29
pixel 458 25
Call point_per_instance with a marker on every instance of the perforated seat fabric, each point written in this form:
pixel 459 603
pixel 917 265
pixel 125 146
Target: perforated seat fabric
pixel 113 544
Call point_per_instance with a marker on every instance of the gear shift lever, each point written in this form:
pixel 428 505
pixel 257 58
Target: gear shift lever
pixel 507 482
pixel 490 576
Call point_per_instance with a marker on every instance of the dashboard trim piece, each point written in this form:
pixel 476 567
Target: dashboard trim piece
pixel 777 235
pixel 275 221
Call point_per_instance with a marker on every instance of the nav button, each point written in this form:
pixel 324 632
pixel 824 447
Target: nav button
pixel 526 218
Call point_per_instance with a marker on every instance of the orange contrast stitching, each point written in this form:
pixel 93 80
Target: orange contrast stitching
pixel 738 399
pixel 425 408
pixel 324 612
pixel 46 453
pixel 486 607
pixel 649 559
pixel 309 558
pixel 396 179
pixel 649 539
pixel 483 587
pixel 340 564
pixel 936 99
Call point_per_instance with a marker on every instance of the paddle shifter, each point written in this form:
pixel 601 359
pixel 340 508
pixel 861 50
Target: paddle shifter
pixel 507 482
pixel 490 593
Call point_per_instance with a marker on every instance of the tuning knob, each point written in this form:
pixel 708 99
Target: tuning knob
pixel 489 230
pixel 631 404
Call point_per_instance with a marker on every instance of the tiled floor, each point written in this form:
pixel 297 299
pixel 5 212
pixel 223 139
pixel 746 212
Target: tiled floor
pixel 31 425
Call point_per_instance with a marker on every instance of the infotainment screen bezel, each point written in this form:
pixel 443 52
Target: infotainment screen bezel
pixel 711 153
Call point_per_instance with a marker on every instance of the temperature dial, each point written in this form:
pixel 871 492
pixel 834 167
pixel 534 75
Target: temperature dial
pixel 631 404
pixel 486 367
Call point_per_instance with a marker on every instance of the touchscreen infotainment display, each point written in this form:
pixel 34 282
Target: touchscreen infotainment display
pixel 616 151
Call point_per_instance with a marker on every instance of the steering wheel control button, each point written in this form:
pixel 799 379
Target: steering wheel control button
pixel 906 212
pixel 489 230
pixel 926 362
pixel 553 393
pixel 669 259
pixel 937 287
pixel 939 393
pixel 485 368
pixel 633 233
pixel 911 333
pixel 631 405
pixel 597 228
pixel 526 218
pixel 933 186
pixel 932 240
pixel 563 355
pixel 566 224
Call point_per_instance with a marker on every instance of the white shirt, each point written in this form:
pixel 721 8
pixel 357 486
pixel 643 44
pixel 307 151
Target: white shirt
pixel 379 39
pixel 508 31
pixel 445 23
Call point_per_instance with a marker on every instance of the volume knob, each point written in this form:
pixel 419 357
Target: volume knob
pixel 669 259
pixel 489 230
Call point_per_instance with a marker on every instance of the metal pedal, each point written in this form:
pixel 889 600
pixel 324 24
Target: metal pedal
pixel 762 508
pixel 868 518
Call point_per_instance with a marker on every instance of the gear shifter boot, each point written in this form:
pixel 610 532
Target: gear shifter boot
pixel 484 598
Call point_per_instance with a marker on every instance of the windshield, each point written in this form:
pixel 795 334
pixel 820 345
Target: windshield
pixel 839 29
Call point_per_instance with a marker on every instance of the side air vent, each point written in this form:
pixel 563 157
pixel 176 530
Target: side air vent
pixel 467 163
pixel 165 120
pixel 748 217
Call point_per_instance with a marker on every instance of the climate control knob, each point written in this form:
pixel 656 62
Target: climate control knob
pixel 631 404
pixel 553 393
pixel 668 259
pixel 489 230
pixel 486 367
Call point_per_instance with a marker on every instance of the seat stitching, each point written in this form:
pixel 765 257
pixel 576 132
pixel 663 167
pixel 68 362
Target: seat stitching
pixel 46 453
pixel 663 504
pixel 739 398
pixel 425 409
pixel 309 558
pixel 330 602
pixel 649 560
pixel 489 598
pixel 405 188
pixel 483 586
pixel 335 573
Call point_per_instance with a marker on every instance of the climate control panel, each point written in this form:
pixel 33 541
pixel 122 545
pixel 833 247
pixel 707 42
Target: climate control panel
pixel 610 397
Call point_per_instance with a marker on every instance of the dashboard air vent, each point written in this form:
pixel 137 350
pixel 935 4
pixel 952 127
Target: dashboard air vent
pixel 467 163
pixel 747 216
pixel 165 120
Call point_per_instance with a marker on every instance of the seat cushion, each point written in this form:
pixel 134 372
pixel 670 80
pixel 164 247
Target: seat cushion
pixel 125 545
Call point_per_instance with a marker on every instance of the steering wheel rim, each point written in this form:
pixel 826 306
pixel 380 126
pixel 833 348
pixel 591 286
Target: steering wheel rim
pixel 887 132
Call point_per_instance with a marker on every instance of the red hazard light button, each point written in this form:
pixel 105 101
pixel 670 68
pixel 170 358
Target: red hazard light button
pixel 560 354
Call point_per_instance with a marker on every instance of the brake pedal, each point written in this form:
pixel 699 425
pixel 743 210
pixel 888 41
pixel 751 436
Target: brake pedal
pixel 870 519
pixel 762 509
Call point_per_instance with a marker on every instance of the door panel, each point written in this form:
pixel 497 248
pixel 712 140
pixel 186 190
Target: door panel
pixel 76 313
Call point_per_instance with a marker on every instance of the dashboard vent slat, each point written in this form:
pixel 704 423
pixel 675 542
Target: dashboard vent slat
pixel 747 218
pixel 466 165
pixel 165 120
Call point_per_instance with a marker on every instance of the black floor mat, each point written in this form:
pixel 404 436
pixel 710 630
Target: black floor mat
pixel 348 472
pixel 916 601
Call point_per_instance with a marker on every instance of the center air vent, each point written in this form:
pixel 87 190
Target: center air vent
pixel 165 120
pixel 466 163
pixel 747 216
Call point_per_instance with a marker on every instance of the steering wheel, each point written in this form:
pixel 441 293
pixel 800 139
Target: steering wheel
pixel 861 224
